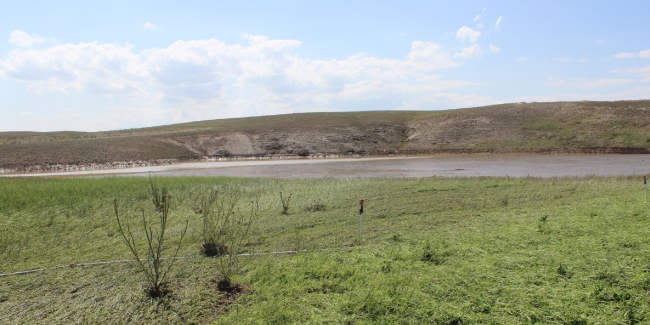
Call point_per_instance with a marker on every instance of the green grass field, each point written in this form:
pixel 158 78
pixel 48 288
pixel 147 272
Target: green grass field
pixel 434 251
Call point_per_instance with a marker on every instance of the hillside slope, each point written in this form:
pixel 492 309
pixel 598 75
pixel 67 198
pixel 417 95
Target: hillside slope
pixel 621 126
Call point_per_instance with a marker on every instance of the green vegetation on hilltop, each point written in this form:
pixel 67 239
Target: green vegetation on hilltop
pixel 435 250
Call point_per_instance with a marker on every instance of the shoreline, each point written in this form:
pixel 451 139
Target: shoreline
pixel 255 167
pixel 86 167
pixel 197 165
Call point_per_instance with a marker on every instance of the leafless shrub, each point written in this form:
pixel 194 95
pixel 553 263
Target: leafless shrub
pixel 152 262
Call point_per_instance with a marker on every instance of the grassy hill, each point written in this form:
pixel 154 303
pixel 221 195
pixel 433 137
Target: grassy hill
pixel 621 126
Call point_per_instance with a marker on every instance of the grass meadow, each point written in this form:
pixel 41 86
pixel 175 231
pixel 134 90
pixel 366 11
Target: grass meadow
pixel 433 251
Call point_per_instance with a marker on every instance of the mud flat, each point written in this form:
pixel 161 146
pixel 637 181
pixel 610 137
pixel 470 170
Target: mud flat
pixel 397 167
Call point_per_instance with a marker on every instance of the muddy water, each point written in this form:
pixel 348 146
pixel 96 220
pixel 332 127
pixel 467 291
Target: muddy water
pixel 398 167
pixel 445 166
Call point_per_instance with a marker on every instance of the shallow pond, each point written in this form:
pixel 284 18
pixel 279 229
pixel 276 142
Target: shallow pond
pixel 423 166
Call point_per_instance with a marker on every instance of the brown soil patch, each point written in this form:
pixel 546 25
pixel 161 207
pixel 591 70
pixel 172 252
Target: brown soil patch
pixel 227 295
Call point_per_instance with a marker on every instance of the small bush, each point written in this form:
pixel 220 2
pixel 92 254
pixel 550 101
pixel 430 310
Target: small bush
pixel 634 314
pixel 605 293
pixel 286 203
pixel 397 237
pixel 213 249
pixel 158 196
pixel 235 229
pixel 434 255
pixel 563 271
pixel 316 206
pixel 215 212
pixel 225 230
pixel 542 225
pixel 153 264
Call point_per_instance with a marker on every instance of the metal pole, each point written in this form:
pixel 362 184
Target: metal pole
pixel 361 225
pixel 645 188
pixel 361 219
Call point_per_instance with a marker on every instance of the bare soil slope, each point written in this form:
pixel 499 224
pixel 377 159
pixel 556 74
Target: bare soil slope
pixel 622 126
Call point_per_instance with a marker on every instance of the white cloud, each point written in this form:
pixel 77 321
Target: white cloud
pixel 478 16
pixel 149 26
pixel 643 73
pixel 428 56
pixel 477 19
pixel 644 54
pixel 590 83
pixel 466 33
pixel 599 83
pixel 96 119
pixel 204 79
pixel 359 78
pixel 626 55
pixel 446 100
pixel 91 68
pixel 627 94
pixel 494 49
pixel 497 25
pixel 192 70
pixel 22 39
pixel 469 52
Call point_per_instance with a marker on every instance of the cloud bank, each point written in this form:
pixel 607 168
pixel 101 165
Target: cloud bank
pixel 22 39
pixel 257 76
pixel 641 54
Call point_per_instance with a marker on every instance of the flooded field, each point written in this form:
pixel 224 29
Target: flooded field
pixel 397 167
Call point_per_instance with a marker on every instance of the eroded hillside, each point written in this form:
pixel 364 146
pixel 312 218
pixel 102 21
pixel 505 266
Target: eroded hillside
pixel 622 126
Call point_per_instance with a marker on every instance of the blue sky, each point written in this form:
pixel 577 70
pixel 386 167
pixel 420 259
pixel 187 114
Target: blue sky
pixel 107 65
